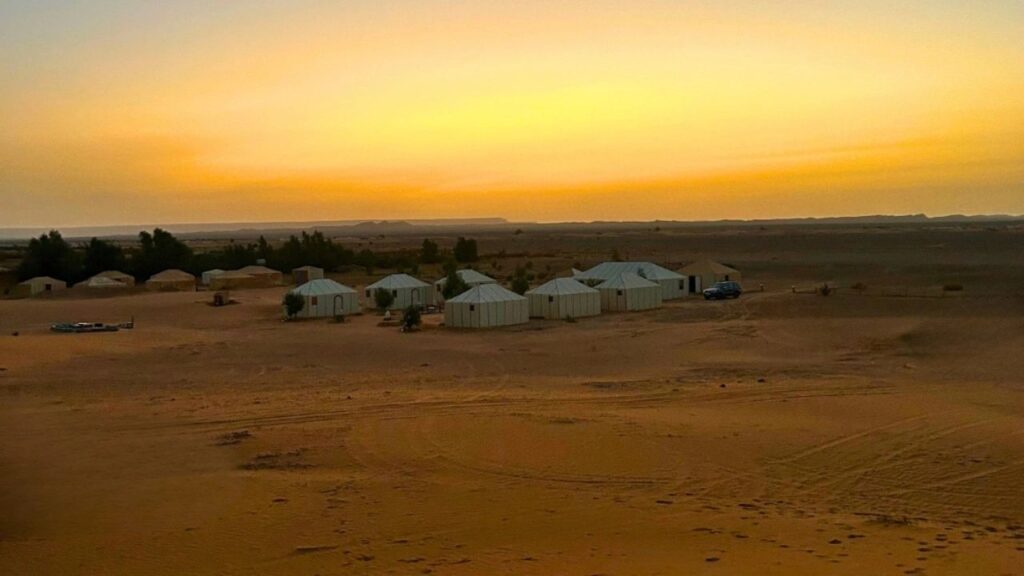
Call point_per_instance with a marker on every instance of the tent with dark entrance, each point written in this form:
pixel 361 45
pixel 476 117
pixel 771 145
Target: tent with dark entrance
pixel 325 298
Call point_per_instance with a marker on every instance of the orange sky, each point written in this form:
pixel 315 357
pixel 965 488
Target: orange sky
pixel 118 112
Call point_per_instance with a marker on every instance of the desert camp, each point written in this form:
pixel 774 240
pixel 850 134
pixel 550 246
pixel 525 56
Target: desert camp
pixel 531 288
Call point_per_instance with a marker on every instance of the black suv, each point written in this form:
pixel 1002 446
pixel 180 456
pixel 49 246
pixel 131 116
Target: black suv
pixel 723 290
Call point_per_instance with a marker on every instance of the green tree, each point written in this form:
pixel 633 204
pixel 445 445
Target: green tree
pixel 465 250
pixel 159 251
pixel 429 252
pixel 101 256
pixel 520 283
pixel 453 283
pixel 411 318
pixel 293 304
pixel 383 298
pixel 50 255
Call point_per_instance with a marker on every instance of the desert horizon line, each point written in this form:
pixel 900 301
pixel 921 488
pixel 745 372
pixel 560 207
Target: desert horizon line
pixel 18 232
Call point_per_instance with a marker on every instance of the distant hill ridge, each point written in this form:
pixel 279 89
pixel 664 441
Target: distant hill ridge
pixel 356 227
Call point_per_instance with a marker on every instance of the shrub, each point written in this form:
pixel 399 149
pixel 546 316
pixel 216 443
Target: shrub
pixel 293 304
pixel 859 286
pixel 383 299
pixel 411 318
pixel 825 290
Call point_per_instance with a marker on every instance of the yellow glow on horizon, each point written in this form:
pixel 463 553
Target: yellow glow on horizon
pixel 532 111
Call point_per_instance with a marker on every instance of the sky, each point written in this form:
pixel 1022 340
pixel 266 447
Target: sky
pixel 136 111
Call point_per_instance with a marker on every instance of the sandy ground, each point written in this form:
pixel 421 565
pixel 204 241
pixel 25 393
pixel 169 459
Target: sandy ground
pixel 776 434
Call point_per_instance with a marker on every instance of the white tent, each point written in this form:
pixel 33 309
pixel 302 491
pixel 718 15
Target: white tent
pixel 408 291
pixel 326 298
pixel 469 276
pixel 117 275
pixel 629 292
pixel 304 274
pixel 102 282
pixel 42 285
pixel 705 272
pixel 563 297
pixel 486 306
pixel 673 284
pixel 171 280
pixel 209 275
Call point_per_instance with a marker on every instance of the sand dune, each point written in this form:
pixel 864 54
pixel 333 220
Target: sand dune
pixel 777 434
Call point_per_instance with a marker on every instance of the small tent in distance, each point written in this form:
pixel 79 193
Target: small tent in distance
pixel 264 276
pixel 126 279
pixel 486 306
pixel 705 272
pixel 629 293
pixel 406 290
pixel 40 286
pixel 325 298
pixel 171 281
pixel 304 274
pixel 563 298
pixel 469 276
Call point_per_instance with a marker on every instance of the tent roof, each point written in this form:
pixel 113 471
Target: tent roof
pixel 395 281
pixel 308 267
pixel 214 271
pixel 114 274
pixel 171 275
pixel 562 286
pixel 708 265
pixel 256 270
pixel 99 281
pixel 650 270
pixel 470 276
pixel 487 293
pixel 236 274
pixel 322 287
pixel 625 281
pixel 49 279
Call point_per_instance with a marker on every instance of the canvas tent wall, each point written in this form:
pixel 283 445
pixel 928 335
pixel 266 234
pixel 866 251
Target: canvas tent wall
pixel 407 291
pixel 469 276
pixel 265 276
pixel 207 277
pixel 629 292
pixel 486 306
pixel 104 283
pixel 705 272
pixel 41 285
pixel 171 280
pixel 325 298
pixel 673 284
pixel 235 280
pixel 562 298
pixel 304 274
pixel 126 279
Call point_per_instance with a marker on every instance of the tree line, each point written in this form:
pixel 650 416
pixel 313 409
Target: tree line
pixel 51 255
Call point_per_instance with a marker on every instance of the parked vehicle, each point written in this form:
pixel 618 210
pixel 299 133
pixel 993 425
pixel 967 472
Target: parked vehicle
pixel 83 327
pixel 723 290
